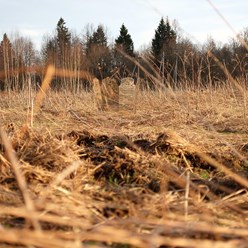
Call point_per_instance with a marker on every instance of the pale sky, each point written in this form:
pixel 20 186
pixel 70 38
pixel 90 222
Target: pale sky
pixel 196 18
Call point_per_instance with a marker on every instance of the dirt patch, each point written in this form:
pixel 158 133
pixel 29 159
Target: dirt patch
pixel 124 160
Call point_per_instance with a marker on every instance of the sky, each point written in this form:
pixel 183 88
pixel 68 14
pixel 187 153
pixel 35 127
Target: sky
pixel 196 19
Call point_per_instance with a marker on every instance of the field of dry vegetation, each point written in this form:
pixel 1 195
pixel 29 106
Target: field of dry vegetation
pixel 172 172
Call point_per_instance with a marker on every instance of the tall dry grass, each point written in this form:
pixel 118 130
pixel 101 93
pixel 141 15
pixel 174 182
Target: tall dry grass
pixel 170 173
pixel 73 209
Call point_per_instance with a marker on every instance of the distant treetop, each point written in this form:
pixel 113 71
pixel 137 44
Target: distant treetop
pixel 124 41
pixel 164 37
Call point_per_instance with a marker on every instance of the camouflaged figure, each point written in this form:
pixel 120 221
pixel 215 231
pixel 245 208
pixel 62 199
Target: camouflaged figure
pixel 106 94
pixel 110 93
pixel 97 91
pixel 127 92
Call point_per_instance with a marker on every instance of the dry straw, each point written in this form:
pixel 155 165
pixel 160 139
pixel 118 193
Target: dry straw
pixel 11 156
pixel 172 173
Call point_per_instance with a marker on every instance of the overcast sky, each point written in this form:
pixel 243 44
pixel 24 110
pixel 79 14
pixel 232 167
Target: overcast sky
pixel 196 18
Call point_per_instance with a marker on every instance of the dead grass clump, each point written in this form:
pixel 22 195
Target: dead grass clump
pixel 40 156
pixel 116 159
pixel 165 175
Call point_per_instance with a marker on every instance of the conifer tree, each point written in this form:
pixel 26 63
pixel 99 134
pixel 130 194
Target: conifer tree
pixel 124 41
pixel 6 59
pixel 63 40
pixel 48 51
pixel 63 34
pixel 96 41
pixel 99 37
pixel 63 46
pixel 98 53
pixel 165 38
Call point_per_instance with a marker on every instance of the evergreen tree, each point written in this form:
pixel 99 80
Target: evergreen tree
pixel 5 51
pixel 97 40
pixel 5 42
pixel 124 41
pixel 98 53
pixel 165 38
pixel 62 52
pixel 63 34
pixel 48 51
pixel 6 59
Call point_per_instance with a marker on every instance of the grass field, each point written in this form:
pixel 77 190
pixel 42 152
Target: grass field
pixel 172 172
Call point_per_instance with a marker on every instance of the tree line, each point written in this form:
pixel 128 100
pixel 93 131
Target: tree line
pixel 170 61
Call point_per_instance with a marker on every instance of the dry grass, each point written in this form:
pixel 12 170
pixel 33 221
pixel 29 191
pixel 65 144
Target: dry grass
pixel 172 173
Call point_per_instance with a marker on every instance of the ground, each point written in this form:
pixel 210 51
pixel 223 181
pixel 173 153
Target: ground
pixel 171 172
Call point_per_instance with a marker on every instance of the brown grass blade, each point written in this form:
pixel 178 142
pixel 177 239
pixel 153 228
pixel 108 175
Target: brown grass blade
pixel 20 179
